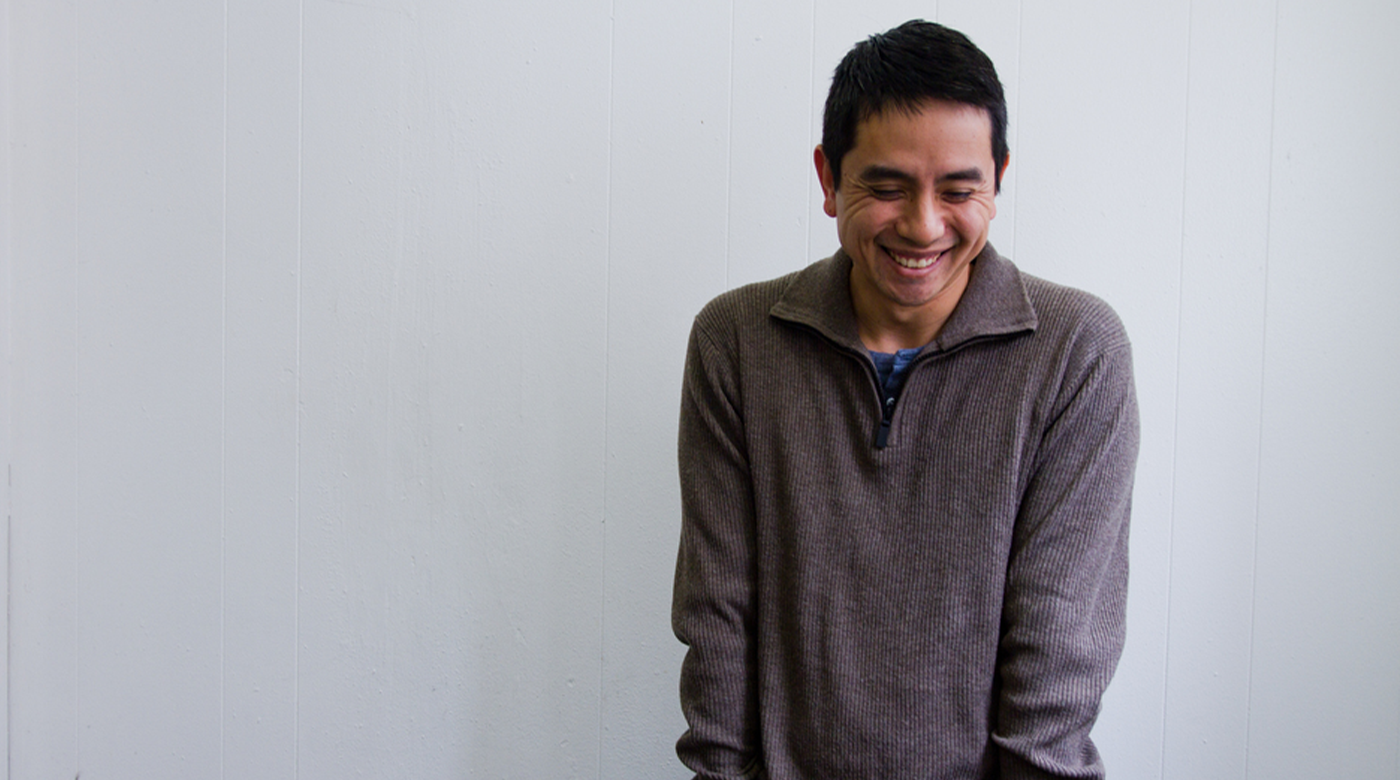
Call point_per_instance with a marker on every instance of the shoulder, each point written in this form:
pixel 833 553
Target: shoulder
pixel 1067 314
pixel 734 323
pixel 816 296
pixel 743 305
pixel 1081 342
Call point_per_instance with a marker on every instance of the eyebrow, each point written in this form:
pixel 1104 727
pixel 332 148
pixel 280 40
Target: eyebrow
pixel 886 173
pixel 966 174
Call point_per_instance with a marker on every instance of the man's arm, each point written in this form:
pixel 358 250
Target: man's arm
pixel 1066 590
pixel 713 603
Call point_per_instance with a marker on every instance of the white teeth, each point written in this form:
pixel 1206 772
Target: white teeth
pixel 914 262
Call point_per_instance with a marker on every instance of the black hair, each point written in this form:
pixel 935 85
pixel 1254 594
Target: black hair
pixel 915 62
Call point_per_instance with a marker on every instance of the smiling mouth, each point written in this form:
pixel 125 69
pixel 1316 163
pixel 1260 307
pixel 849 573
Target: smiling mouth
pixel 914 263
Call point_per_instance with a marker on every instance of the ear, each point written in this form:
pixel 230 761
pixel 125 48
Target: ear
pixel 1005 163
pixel 828 181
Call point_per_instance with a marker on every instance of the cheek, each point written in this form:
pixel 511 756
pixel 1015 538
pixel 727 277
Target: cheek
pixel 854 220
pixel 973 222
pixel 870 217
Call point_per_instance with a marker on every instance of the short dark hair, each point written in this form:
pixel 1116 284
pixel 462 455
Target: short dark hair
pixel 915 62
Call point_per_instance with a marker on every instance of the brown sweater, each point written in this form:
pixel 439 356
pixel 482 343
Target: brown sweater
pixel 948 606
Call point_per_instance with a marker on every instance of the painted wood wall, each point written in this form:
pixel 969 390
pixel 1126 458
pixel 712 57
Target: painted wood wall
pixel 344 341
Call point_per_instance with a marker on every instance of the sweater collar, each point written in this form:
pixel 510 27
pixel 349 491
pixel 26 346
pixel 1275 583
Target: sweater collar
pixel 994 304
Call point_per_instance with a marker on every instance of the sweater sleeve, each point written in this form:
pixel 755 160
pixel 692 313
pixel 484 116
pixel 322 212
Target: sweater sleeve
pixel 712 608
pixel 1063 614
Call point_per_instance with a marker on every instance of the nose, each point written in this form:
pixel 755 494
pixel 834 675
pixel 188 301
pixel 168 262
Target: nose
pixel 922 222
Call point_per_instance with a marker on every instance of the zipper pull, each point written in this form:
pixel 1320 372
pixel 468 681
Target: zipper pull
pixel 883 436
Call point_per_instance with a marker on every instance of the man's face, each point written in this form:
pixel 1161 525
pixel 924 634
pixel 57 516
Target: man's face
pixel 916 198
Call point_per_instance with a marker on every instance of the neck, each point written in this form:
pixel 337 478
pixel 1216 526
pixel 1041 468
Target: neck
pixel 883 327
pixel 892 337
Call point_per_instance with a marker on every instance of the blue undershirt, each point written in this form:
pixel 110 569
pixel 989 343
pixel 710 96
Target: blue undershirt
pixel 892 369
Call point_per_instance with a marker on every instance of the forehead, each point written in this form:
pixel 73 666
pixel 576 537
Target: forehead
pixel 932 127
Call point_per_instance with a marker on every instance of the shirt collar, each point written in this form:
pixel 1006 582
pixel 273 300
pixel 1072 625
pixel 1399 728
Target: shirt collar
pixel 994 304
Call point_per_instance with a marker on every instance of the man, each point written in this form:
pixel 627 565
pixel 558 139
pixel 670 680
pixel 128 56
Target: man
pixel 905 470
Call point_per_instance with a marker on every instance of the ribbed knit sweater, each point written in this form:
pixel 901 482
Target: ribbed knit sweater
pixel 950 605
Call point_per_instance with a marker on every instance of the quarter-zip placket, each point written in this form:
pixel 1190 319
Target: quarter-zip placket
pixel 887 401
pixel 882 436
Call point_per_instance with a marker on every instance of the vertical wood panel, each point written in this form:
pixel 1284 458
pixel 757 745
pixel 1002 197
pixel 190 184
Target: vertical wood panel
pixel 1101 143
pixel 1215 486
pixel 453 364
pixel 770 148
pixel 667 257
pixel 42 690
pixel 1327 613
pixel 363 600
pixel 146 487
pixel 7 356
pixel 259 390
pixel 148 341
pixel 534 365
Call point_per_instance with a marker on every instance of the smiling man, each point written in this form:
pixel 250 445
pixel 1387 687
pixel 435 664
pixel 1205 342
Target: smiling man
pixel 906 470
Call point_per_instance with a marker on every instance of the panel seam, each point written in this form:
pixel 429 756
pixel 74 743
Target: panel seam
pixel 223 424
pixel 811 142
pixel 1263 373
pixel 729 155
pixel 1016 122
pixel 1176 392
pixel 296 489
pixel 607 374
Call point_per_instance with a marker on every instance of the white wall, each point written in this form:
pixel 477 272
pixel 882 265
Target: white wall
pixel 344 344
